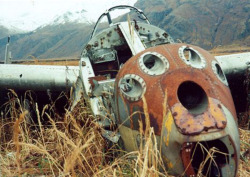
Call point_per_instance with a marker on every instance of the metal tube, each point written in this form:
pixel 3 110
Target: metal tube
pixel 7 59
pixel 37 77
pixel 235 64
pixel 235 67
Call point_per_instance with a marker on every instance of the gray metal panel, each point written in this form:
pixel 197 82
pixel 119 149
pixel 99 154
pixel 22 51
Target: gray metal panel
pixel 132 38
pixel 235 68
pixel 234 63
pixel 37 77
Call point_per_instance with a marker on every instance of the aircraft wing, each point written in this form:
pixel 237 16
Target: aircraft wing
pixel 236 69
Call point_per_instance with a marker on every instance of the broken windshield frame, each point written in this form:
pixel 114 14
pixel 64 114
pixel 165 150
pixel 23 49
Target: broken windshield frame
pixel 107 13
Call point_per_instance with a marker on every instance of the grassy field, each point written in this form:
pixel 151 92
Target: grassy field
pixel 231 49
pixel 72 145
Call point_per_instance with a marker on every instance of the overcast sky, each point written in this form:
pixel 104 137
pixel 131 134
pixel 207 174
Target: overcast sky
pixel 44 10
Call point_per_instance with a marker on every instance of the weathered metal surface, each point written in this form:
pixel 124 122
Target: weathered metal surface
pixel 212 118
pixel 235 67
pixel 107 14
pixel 54 60
pixel 179 72
pixel 186 156
pixel 178 150
pixel 37 77
pixel 198 80
pixel 234 64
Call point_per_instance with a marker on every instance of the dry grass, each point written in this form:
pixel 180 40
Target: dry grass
pixel 244 167
pixel 73 146
pixel 68 146
pixel 231 49
pixel 61 146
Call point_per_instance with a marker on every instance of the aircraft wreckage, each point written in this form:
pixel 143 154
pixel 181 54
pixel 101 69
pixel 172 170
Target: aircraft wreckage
pixel 186 89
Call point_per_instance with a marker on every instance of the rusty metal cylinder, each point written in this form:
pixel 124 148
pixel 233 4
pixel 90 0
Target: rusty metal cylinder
pixel 182 92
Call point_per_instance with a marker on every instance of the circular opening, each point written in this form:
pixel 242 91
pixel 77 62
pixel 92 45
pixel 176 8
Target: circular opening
pixel 131 88
pixel 153 64
pixel 192 57
pixel 192 97
pixel 220 72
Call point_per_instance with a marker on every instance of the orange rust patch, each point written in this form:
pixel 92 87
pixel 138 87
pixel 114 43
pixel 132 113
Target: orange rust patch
pixel 168 162
pixel 188 123
pixel 168 125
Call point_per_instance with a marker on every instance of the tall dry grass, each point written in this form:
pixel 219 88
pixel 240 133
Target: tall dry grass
pixel 69 145
pixel 72 145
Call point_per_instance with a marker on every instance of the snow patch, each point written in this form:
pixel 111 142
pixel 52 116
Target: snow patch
pixel 28 15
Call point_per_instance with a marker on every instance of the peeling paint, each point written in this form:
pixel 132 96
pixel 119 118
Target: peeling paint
pixel 188 123
pixel 168 125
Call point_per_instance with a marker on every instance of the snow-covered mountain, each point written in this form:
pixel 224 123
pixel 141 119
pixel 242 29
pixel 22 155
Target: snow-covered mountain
pixel 30 21
pixel 70 17
pixel 24 23
pixel 26 15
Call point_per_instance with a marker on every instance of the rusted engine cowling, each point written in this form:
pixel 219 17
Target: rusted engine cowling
pixel 189 104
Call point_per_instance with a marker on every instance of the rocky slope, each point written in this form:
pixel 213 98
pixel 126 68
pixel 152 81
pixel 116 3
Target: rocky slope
pixel 49 42
pixel 207 23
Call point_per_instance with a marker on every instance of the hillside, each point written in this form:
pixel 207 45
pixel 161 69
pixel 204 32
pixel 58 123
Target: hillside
pixel 3 32
pixel 50 41
pixel 207 23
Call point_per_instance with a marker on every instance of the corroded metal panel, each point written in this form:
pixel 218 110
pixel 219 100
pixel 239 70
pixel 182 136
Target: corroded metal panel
pixel 179 72
pixel 188 103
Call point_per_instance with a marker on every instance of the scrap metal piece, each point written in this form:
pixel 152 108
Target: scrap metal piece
pixel 132 38
pixel 219 72
pixel 235 68
pixel 111 136
pixel 185 103
pixel 212 118
pixel 38 77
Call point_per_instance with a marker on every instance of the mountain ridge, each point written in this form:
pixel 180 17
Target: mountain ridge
pixel 207 23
